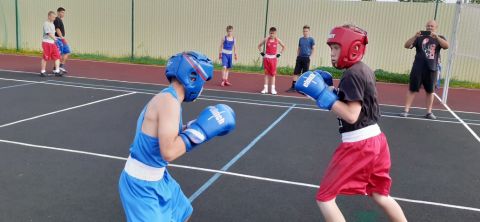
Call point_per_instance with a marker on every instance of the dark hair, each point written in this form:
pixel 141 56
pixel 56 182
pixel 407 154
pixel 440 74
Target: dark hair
pixel 273 29
pixel 60 9
pixel 306 27
pixel 229 27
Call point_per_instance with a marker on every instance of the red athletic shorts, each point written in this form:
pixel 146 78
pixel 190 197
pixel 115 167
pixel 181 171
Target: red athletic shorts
pixel 360 167
pixel 50 51
pixel 270 66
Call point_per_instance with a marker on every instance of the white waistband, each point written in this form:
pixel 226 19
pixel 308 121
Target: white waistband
pixel 226 51
pixel 361 134
pixel 141 171
pixel 48 41
pixel 268 56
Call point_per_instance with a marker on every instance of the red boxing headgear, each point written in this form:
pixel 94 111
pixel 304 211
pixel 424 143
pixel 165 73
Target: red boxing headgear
pixel 352 41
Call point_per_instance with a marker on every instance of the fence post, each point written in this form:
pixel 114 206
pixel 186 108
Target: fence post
pixel 436 8
pixel 265 29
pixel 16 26
pixel 452 51
pixel 266 20
pixel 132 52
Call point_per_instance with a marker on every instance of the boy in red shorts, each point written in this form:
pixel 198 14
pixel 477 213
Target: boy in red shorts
pixel 361 163
pixel 270 58
pixel 50 50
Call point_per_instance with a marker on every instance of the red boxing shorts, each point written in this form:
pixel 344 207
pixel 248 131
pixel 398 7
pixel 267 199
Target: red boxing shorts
pixel 360 165
pixel 270 64
pixel 50 51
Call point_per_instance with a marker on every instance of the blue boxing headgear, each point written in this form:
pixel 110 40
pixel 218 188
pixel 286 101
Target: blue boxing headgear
pixel 192 69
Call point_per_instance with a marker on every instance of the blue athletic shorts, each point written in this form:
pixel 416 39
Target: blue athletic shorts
pixel 227 60
pixel 161 200
pixel 63 48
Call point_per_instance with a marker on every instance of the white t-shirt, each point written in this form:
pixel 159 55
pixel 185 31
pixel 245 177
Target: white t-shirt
pixel 48 27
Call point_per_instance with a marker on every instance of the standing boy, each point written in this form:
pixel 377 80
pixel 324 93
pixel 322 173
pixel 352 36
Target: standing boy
pixel 306 48
pixel 50 50
pixel 270 59
pixel 227 48
pixel 61 42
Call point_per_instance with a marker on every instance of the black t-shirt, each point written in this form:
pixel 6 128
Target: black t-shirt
pixel 358 84
pixel 59 25
pixel 428 52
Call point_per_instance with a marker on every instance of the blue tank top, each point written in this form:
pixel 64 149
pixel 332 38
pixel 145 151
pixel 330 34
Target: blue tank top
pixel 228 45
pixel 145 148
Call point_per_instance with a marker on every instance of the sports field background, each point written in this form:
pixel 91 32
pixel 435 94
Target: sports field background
pixel 160 28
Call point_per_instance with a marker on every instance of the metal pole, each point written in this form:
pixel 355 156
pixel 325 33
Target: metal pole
pixel 436 8
pixel 266 21
pixel 452 51
pixel 265 30
pixel 133 29
pixel 16 26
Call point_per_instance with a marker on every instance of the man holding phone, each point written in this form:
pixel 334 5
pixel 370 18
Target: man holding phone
pixel 425 66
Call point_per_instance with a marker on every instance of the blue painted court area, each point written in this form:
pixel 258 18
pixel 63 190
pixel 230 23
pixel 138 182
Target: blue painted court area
pixel 64 142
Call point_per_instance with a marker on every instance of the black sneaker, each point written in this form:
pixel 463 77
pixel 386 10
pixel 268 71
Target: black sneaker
pixel 62 68
pixel 58 74
pixel 43 74
pixel 291 90
pixel 430 116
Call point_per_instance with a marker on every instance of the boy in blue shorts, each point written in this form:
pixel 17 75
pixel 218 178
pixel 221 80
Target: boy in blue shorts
pixel 61 41
pixel 227 48
pixel 147 190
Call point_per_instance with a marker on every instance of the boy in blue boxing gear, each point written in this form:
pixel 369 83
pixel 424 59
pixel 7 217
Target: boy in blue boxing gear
pixel 147 190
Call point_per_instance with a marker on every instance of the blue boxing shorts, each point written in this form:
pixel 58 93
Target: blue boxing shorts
pixel 62 47
pixel 161 200
pixel 227 60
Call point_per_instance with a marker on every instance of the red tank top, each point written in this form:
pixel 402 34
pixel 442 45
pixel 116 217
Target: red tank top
pixel 271 48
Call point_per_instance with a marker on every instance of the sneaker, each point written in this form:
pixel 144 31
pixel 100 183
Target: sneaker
pixel 227 83
pixel 274 92
pixel 43 74
pixel 291 90
pixel 223 83
pixel 264 91
pixel 58 74
pixel 63 70
pixel 404 114
pixel 430 116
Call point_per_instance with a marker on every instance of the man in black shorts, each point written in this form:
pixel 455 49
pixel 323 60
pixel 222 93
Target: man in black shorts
pixel 306 48
pixel 425 66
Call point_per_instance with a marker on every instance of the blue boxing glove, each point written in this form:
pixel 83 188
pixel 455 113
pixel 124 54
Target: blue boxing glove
pixel 327 77
pixel 213 121
pixel 312 85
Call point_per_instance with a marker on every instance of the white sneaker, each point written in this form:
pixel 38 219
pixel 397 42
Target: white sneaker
pixel 264 91
pixel 274 92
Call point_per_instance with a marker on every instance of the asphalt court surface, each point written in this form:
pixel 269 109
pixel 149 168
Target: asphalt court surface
pixel 283 138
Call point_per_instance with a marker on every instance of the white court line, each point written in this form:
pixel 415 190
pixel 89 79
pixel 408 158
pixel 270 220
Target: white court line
pixel 230 101
pixel 220 90
pixel 232 174
pixel 13 86
pixel 459 119
pixel 223 98
pixel 63 110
